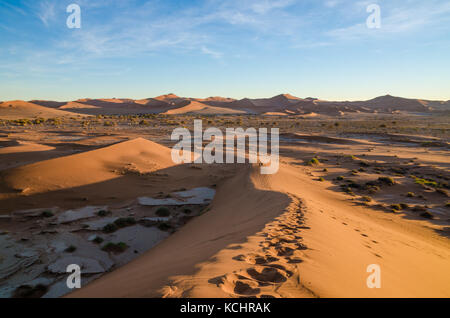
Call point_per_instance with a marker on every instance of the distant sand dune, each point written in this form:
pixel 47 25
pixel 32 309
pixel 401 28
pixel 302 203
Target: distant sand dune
pixel 193 107
pixel 22 109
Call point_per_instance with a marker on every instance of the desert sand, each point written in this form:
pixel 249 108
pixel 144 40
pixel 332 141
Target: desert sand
pixel 353 189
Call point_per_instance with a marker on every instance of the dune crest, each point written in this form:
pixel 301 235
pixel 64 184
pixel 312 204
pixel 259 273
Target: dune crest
pixel 89 167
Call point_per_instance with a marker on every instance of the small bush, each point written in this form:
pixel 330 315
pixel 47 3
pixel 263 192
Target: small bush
pixel 410 195
pixel 115 247
pixel 366 199
pixel 396 207
pixel 70 249
pixel 313 162
pixel 164 226
pixel 427 215
pixel 387 180
pixel 103 213
pixel 47 214
pixel 404 206
pixel 321 179
pixel 124 222
pixel 110 228
pixel 339 178
pixel 163 212
pixel 425 182
pixel 98 240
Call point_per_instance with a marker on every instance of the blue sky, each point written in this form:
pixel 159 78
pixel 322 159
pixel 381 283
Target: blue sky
pixel 233 48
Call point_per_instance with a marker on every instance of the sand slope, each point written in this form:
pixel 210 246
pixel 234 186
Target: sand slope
pixel 20 109
pixel 193 107
pixel 285 236
pixel 87 168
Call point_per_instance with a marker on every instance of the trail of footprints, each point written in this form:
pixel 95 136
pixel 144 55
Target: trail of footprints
pixel 273 263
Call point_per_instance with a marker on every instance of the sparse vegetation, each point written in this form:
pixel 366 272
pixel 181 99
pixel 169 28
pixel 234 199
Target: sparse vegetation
pixel 70 249
pixel 425 182
pixel 47 214
pixel 98 240
pixel 427 215
pixel 124 222
pixel 103 213
pixel 115 247
pixel 164 226
pixel 387 180
pixel 410 195
pixel 162 212
pixel 110 228
pixel 313 162
pixel 396 207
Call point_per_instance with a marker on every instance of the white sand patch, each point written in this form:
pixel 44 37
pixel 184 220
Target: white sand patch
pixel 79 214
pixel 193 197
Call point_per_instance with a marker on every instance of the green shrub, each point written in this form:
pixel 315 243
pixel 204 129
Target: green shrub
pixel 110 228
pixel 410 195
pixel 313 162
pixel 427 215
pixel 387 180
pixel 124 222
pixel 164 226
pixel 162 211
pixel 47 214
pixel 115 247
pixel 70 249
pixel 103 213
pixel 98 240
pixel 340 178
pixel 425 182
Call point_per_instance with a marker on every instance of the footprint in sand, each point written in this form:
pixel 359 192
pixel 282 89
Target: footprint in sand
pixel 236 284
pixel 256 259
pixel 267 274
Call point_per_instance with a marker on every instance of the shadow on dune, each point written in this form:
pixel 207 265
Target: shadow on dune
pixel 124 187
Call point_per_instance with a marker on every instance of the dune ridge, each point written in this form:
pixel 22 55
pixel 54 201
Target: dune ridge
pixel 172 104
pixel 88 167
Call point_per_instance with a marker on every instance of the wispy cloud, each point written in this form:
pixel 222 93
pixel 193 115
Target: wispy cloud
pixel 404 18
pixel 214 54
pixel 46 12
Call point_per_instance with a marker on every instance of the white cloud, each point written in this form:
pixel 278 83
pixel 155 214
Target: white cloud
pixel 214 54
pixel 46 12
